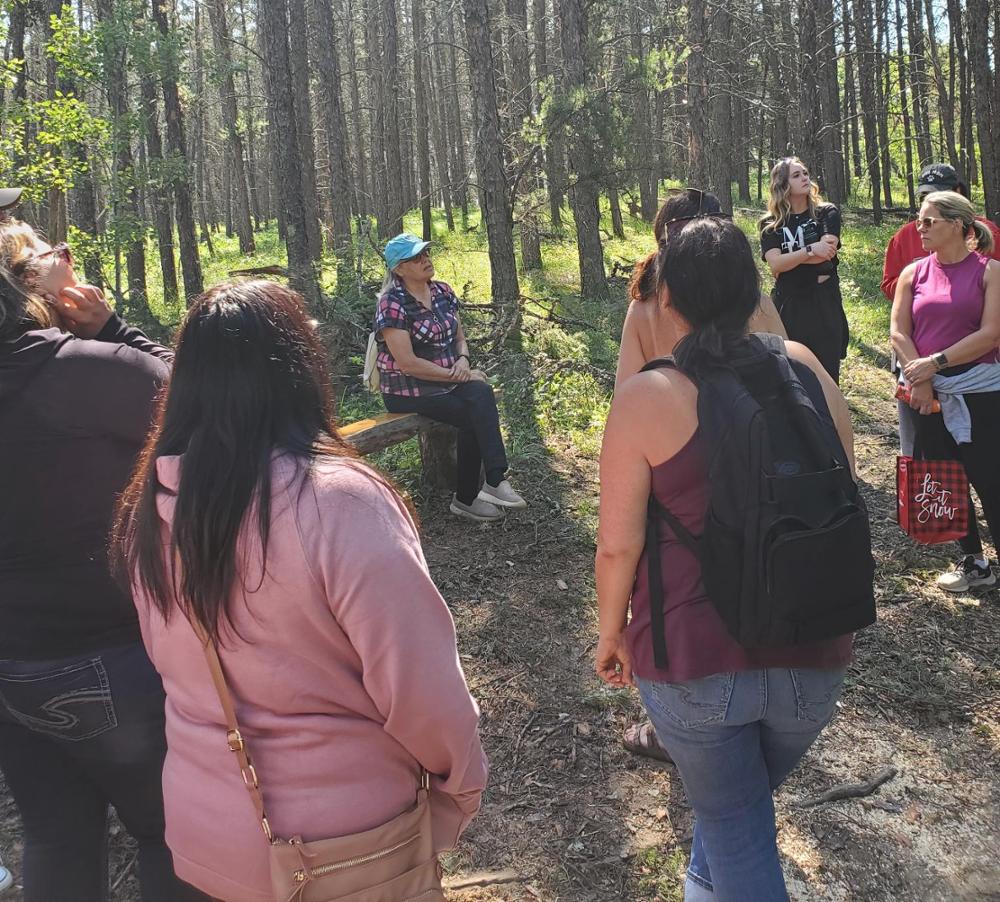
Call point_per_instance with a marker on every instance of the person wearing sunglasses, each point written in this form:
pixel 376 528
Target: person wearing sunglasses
pixel 799 240
pixel 81 718
pixel 424 367
pixel 945 331
pixel 904 248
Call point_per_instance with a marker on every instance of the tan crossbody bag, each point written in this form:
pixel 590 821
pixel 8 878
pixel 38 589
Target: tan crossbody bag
pixel 395 862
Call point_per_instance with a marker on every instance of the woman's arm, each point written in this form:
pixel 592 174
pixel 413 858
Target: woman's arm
pixel 621 533
pixel 766 318
pixel 779 262
pixel 366 556
pixel 632 357
pixel 834 399
pixel 901 318
pixel 401 347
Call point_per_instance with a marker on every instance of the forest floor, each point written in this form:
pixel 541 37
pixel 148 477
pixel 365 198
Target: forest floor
pixel 569 815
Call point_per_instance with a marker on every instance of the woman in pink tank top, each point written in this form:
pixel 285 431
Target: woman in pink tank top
pixel 735 720
pixel 946 322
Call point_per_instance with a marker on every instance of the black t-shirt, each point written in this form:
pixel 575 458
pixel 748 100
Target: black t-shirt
pixel 798 231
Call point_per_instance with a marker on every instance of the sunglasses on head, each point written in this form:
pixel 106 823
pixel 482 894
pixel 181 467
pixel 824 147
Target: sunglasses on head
pixel 60 252
pixel 701 214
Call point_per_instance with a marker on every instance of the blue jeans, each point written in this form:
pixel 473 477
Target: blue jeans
pixel 78 734
pixel 734 737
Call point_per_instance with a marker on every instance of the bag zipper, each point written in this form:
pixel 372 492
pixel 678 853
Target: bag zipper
pixel 303 874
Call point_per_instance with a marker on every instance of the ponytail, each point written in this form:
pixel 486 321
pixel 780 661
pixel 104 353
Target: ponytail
pixel 709 345
pixel 983 235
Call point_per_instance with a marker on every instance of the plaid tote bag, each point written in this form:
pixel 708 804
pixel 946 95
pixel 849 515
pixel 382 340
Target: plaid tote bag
pixel 933 499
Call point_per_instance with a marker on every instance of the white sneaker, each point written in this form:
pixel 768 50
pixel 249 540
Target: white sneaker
pixel 480 511
pixel 6 879
pixel 502 495
pixel 965 575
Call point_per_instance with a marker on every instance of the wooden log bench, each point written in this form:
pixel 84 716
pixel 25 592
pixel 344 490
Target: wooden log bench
pixel 437 442
pixel 438 447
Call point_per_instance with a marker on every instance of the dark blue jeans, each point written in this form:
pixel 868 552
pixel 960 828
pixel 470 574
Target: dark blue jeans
pixel 78 734
pixel 472 407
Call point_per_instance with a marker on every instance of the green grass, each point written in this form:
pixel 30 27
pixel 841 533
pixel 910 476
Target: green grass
pixel 660 874
pixel 557 392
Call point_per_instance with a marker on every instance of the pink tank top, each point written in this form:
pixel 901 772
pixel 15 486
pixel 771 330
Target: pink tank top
pixel 698 643
pixel 948 301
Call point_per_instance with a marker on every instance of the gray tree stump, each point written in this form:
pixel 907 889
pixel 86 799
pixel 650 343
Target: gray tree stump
pixel 439 455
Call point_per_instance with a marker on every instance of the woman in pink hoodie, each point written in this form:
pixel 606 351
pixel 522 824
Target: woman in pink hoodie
pixel 304 567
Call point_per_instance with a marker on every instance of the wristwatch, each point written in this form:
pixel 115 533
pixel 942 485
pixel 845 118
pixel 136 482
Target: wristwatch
pixel 940 361
pixel 809 250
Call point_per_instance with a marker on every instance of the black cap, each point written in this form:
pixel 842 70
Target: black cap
pixel 937 177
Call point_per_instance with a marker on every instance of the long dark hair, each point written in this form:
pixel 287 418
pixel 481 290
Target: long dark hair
pixel 249 378
pixel 709 270
pixel 675 213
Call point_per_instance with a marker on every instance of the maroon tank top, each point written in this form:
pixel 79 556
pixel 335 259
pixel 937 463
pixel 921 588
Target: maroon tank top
pixel 698 643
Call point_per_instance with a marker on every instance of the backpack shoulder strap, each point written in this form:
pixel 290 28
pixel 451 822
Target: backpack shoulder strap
pixel 660 363
pixel 770 340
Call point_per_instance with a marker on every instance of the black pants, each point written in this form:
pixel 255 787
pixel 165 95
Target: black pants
pixel 981 458
pixel 472 407
pixel 78 734
pixel 817 320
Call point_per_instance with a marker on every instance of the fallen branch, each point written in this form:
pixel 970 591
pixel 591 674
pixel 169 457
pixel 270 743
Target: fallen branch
pixel 483 878
pixel 849 790
pixel 272 269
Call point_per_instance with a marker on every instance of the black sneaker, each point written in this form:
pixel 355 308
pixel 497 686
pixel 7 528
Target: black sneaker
pixel 965 575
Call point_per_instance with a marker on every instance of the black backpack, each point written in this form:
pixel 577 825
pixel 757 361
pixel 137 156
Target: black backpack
pixel 785 551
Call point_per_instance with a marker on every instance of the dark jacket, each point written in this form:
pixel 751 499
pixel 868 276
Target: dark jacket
pixel 74 414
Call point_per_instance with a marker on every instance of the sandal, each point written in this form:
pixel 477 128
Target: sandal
pixel 641 739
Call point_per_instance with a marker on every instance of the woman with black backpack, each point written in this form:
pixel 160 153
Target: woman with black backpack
pixel 735 718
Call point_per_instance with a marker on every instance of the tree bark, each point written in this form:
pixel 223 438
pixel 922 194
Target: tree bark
pixel 460 166
pixel 986 115
pixel 643 161
pixel 901 69
pixel 374 54
pixel 866 79
pixel 272 25
pixel 851 94
pixel 177 145
pixel 918 83
pixel 830 142
pixel 493 188
pixel 422 124
pixel 362 198
pixel 298 37
pixel 555 174
pixel 327 59
pixel 390 106
pixel 234 140
pixel 585 193
pixel 881 107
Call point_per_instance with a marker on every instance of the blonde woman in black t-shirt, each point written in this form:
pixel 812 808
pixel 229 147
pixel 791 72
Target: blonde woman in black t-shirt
pixel 799 238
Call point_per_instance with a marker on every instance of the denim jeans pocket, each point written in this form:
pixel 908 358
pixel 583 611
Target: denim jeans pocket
pixel 816 693
pixel 694 703
pixel 69 702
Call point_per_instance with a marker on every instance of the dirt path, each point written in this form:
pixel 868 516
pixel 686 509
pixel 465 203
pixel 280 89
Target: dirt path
pixel 578 819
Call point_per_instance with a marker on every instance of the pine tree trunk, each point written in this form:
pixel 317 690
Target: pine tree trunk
pixel 158 192
pixel 234 140
pixel 490 168
pixel 882 111
pixel 390 106
pixel 901 69
pixel 643 161
pixel 362 199
pixel 422 125
pixel 442 139
pixel 298 37
pixel 986 115
pixel 460 165
pixel 272 25
pixel 554 170
pixel 697 106
pixel 866 80
pixel 332 111
pixel 585 194
pixel 918 82
pixel 851 93
pixel 374 56
pixel 830 136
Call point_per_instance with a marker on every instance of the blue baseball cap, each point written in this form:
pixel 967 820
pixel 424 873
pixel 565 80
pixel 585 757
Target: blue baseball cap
pixel 403 247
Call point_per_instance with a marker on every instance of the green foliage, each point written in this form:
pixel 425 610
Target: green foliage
pixel 77 52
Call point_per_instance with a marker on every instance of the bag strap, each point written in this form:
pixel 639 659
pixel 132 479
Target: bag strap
pixel 234 737
pixel 656 512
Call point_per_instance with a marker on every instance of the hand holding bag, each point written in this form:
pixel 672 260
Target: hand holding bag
pixel 932 499
pixel 394 862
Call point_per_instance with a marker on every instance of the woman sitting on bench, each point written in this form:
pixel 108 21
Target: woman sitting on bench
pixel 424 367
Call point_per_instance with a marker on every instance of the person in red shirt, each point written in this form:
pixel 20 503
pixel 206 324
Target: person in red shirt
pixel 905 246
